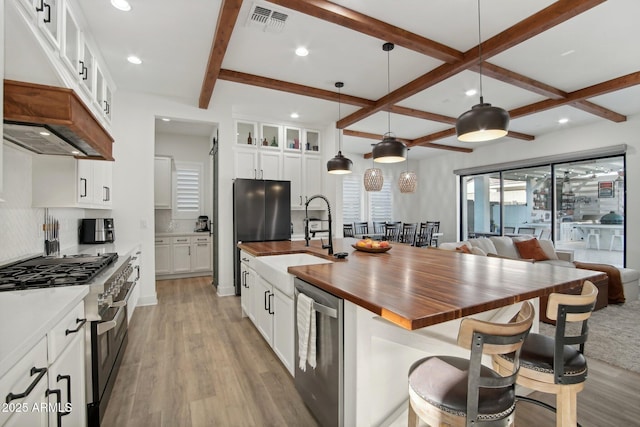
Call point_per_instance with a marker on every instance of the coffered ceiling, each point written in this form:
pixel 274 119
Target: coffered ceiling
pixel 544 60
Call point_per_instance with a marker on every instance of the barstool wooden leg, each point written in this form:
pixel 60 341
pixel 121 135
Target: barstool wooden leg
pixel 413 418
pixel 567 407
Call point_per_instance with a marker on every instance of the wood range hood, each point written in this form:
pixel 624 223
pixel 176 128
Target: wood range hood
pixel 62 113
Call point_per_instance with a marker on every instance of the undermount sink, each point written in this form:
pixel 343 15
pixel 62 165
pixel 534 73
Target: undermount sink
pixel 273 268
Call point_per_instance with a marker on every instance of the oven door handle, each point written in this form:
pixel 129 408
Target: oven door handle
pixel 118 303
pixel 108 325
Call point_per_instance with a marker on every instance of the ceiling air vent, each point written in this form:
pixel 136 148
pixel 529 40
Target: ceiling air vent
pixel 266 19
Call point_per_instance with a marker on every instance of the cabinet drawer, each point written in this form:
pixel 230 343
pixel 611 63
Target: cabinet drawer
pixel 201 239
pixel 20 378
pixel 65 331
pixel 181 240
pixel 163 240
pixel 247 259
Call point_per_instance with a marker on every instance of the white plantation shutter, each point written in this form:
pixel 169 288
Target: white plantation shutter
pixel 352 198
pixel 188 189
pixel 381 203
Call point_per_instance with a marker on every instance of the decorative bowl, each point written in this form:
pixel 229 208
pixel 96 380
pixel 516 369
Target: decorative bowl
pixel 372 250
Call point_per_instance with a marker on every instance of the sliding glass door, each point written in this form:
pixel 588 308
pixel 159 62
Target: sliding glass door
pixel 580 205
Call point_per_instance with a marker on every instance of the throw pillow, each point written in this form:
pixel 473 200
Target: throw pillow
pixel 531 249
pixel 463 248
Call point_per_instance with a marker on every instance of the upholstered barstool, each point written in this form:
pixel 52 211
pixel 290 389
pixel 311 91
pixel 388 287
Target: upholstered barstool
pixel 595 235
pixel 453 391
pixel 554 365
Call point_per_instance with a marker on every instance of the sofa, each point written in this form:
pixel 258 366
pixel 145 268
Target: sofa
pixel 624 283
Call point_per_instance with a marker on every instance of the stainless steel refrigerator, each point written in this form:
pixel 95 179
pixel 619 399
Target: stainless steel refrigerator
pixel 261 212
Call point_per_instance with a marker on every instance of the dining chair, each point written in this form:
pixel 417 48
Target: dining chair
pixel 455 391
pixel 361 228
pixel 392 231
pixel 347 230
pixel 378 227
pixel 435 225
pixel 509 230
pixel 554 364
pixel 423 237
pixel 408 233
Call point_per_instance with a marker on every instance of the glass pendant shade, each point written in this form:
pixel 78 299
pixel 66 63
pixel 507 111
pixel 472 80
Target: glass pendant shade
pixel 482 123
pixel 408 182
pixel 389 150
pixel 339 165
pixel 373 179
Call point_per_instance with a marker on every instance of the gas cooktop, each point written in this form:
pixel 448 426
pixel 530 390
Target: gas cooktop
pixel 44 272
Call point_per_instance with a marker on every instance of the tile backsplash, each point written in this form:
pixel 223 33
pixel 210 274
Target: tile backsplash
pixel 21 231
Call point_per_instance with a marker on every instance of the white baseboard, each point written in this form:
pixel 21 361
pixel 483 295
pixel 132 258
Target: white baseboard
pixel 226 290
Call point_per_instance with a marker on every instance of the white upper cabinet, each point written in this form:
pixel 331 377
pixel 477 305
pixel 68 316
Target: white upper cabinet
pixel 270 136
pixel 70 44
pixel 58 27
pixel 246 133
pixel 162 182
pixel 311 141
pixel 292 139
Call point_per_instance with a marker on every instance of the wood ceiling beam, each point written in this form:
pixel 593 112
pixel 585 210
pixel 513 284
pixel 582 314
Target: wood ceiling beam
pixel 364 24
pixel 556 13
pixel 603 88
pixel 412 112
pixel 543 89
pixel 229 10
pixel 409 142
pixel 280 85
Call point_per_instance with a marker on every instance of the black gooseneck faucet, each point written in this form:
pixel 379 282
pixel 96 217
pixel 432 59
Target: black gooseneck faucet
pixel 306 222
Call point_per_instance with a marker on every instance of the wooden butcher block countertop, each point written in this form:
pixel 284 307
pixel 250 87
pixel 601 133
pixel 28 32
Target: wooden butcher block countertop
pixel 417 287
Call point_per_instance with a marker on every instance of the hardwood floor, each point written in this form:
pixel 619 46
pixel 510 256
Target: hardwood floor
pixel 192 360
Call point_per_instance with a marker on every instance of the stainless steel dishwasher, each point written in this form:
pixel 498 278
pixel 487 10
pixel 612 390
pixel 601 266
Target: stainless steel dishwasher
pixel 322 388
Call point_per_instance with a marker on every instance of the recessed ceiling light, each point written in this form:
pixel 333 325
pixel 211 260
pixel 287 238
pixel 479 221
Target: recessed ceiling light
pixel 294 115
pixel 76 152
pixel 567 53
pixel 134 59
pixel 121 5
pixel 43 133
pixel 471 92
pixel 302 51
pixel 563 120
pixel 166 119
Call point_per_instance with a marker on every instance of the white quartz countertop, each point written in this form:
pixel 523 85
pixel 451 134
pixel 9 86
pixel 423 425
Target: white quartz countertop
pixel 27 316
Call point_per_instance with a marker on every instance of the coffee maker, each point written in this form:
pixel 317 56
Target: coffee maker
pixel 202 224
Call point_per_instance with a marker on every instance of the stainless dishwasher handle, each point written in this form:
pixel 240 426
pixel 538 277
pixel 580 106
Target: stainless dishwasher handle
pixel 331 312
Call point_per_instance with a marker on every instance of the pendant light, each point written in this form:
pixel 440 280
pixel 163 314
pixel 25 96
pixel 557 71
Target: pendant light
pixel 373 178
pixel 483 122
pixel 339 165
pixel 389 150
pixel 408 180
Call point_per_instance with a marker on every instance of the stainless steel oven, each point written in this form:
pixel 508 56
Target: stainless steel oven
pixel 107 337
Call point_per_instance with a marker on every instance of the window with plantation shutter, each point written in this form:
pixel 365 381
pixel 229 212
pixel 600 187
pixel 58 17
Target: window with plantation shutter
pixel 381 203
pixel 352 198
pixel 188 190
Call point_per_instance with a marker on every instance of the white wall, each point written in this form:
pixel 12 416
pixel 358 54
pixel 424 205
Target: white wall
pixel 134 149
pixel 439 185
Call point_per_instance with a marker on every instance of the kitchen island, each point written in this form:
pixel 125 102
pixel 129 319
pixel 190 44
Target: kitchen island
pixel 407 303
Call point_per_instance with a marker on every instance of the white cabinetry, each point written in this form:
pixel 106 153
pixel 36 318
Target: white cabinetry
pixel 312 182
pixel 201 259
pixel 247 280
pixel 181 249
pixel 183 256
pixel 51 374
pixel 162 182
pixel 292 171
pixel 58 26
pixel 254 163
pixel 30 371
pixel 283 328
pixel 163 255
pixel 68 182
pixel 263 303
pixel 271 311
